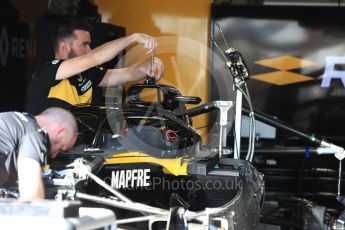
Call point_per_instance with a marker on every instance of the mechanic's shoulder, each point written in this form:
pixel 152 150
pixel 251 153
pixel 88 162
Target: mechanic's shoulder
pixel 47 66
pixel 49 63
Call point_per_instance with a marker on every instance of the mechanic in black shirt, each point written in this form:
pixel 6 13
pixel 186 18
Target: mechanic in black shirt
pixel 25 143
pixel 70 78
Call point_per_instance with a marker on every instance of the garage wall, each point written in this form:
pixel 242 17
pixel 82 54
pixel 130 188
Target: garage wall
pixel 17 50
pixel 30 10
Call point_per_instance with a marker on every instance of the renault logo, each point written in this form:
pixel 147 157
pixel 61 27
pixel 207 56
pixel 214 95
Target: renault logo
pixel 4 45
pixel 283 74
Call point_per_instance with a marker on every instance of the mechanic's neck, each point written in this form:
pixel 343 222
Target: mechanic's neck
pixel 61 56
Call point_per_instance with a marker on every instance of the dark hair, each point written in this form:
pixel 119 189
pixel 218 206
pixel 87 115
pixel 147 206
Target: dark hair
pixel 65 29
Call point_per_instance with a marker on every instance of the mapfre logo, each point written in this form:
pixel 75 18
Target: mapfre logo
pixel 131 178
pixel 286 66
pixel 14 47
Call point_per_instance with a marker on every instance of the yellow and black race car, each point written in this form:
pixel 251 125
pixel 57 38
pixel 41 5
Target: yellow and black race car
pixel 146 161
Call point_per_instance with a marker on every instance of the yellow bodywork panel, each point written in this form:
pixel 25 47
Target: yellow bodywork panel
pixel 175 166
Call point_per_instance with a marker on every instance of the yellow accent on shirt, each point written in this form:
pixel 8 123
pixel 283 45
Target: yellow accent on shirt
pixel 67 92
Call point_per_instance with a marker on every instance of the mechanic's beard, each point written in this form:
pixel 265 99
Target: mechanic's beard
pixel 72 54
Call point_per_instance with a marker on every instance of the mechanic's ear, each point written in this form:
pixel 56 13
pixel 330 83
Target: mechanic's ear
pixel 60 131
pixel 65 47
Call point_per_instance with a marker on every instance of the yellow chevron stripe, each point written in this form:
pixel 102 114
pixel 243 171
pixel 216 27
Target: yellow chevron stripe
pixel 175 166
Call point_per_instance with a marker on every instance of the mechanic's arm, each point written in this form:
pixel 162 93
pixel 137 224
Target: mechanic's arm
pixel 135 72
pixel 30 179
pixel 102 54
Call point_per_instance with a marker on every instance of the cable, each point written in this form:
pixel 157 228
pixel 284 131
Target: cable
pixel 253 124
pixel 251 145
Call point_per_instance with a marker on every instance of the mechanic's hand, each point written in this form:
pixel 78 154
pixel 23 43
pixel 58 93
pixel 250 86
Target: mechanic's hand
pixel 157 70
pixel 146 41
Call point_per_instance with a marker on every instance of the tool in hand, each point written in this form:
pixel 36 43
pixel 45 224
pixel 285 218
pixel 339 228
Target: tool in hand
pixel 150 80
